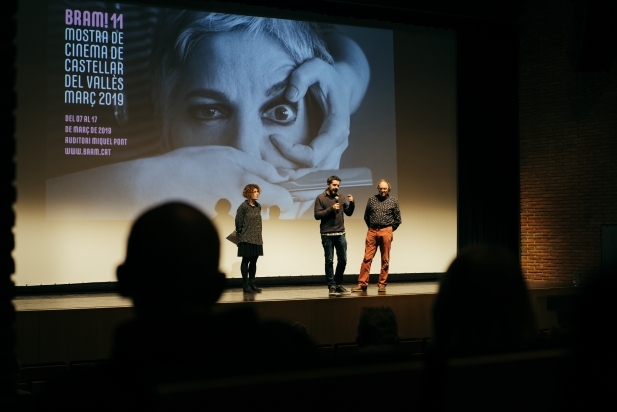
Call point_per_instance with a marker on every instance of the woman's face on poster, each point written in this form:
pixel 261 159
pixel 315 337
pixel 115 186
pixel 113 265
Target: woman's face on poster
pixel 231 93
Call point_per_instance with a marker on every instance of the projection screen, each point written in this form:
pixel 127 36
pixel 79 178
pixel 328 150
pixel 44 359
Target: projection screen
pixel 122 107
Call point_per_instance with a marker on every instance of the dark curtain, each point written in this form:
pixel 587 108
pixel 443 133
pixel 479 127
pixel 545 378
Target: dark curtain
pixel 488 161
pixel 7 199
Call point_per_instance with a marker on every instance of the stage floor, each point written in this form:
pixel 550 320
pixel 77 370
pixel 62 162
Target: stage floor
pixel 273 293
pixel 235 295
pixel 77 327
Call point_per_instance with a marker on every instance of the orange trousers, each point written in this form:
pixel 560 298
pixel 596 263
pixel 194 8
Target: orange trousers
pixel 376 237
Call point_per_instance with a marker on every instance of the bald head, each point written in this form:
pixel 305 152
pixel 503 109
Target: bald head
pixel 172 255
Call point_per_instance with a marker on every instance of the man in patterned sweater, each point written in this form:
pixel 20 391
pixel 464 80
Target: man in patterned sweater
pixel 383 217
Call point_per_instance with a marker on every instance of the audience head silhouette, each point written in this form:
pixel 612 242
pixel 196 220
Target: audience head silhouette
pixel 171 261
pixel 377 326
pixel 222 207
pixel 482 304
pixel 275 212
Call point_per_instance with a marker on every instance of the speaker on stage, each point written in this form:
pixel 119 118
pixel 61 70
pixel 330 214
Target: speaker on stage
pixel 593 41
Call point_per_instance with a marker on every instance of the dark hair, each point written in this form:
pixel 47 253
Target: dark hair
pixel 377 326
pixel 331 178
pixel 170 247
pixel 248 190
pixel 483 303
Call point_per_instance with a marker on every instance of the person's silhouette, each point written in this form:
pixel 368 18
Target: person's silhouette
pixel 482 308
pixel 171 274
pixel 223 220
pixel 274 213
pixel 171 264
pixel 483 304
pixel 377 331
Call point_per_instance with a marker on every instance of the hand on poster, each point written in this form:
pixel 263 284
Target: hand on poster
pixel 188 173
pixel 201 175
pixel 339 89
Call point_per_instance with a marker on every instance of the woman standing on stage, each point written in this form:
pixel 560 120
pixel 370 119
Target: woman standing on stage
pixel 248 228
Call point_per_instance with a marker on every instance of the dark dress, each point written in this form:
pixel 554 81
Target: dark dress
pixel 248 228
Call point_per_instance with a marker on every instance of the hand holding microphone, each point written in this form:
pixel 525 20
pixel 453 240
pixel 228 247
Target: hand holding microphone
pixel 336 205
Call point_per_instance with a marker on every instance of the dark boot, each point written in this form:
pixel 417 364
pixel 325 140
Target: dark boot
pixel 246 287
pixel 255 288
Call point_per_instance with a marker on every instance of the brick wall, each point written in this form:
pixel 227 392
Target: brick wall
pixel 568 148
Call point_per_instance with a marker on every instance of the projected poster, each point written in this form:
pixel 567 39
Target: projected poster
pixel 148 104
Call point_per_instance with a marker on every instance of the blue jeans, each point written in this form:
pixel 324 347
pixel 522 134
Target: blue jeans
pixel 330 243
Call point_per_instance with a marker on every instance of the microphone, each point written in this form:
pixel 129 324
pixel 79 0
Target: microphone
pixel 336 199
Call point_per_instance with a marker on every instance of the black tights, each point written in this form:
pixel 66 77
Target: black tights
pixel 248 267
